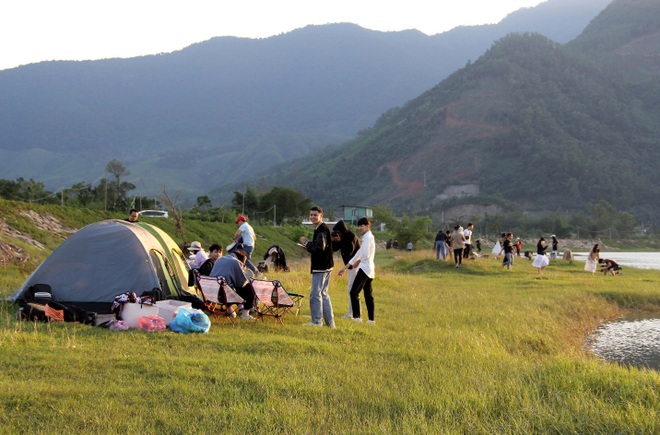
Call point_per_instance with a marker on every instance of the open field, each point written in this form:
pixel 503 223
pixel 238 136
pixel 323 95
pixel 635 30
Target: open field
pixel 471 350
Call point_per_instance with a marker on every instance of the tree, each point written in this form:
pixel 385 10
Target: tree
pixel 246 202
pixel 83 192
pixel 116 189
pixel 289 204
pixel 406 229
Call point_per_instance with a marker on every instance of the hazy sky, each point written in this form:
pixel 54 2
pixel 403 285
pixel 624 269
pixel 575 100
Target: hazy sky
pixel 37 30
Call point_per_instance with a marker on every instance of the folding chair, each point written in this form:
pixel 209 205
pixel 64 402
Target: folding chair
pixel 272 300
pixel 219 296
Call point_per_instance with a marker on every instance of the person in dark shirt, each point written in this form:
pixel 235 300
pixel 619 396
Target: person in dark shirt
pixel 541 259
pixel 322 263
pixel 441 245
pixel 345 241
pixel 555 246
pixel 507 247
pixel 215 252
pixel 133 216
pixel 232 268
pixel 608 266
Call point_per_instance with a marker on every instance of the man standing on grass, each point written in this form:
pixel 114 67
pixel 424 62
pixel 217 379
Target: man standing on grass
pixel 249 240
pixel 322 263
pixel 467 249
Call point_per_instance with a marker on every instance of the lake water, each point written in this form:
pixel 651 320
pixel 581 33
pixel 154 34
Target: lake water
pixel 629 342
pixel 635 340
pixel 641 260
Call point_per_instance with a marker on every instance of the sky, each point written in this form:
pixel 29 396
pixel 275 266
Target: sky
pixel 39 30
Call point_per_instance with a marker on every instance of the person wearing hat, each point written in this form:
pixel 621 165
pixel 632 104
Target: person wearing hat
pixel 246 232
pixel 198 256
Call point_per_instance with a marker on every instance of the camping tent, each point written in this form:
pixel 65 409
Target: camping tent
pixel 107 258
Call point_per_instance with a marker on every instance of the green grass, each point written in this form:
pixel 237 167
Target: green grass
pixel 471 350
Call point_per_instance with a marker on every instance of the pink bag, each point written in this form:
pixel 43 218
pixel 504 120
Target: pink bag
pixel 152 323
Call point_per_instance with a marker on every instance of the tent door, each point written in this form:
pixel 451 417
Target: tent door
pixel 164 273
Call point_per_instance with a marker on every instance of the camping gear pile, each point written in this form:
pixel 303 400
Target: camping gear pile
pixel 80 280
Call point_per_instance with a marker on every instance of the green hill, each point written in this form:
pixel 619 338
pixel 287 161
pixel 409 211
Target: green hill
pixel 531 123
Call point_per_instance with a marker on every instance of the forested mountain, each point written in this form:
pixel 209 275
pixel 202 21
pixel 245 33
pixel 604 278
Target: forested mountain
pixel 532 122
pixel 229 108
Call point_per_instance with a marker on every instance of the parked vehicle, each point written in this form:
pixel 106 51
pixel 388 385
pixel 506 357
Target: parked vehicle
pixel 154 213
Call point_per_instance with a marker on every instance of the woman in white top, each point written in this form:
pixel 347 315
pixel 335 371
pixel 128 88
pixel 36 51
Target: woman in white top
pixel 592 259
pixel 198 256
pixel 364 262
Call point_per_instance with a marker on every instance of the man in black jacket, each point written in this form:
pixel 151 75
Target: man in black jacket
pixel 322 263
pixel 348 244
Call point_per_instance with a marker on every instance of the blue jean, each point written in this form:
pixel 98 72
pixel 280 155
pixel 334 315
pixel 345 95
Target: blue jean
pixel 440 250
pixel 320 306
pixel 248 250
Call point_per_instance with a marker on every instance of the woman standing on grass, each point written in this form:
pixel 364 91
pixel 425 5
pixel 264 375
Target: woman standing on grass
pixel 592 259
pixel 541 260
pixel 457 242
pixel 363 260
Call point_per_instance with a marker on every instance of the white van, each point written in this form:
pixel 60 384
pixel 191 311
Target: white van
pixel 154 213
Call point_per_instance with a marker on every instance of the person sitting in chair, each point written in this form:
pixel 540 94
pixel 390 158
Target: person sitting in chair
pixel 608 266
pixel 215 252
pixel 232 268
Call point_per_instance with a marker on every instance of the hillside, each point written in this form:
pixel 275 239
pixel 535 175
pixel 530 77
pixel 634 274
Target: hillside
pixel 531 122
pixel 228 108
pixel 30 232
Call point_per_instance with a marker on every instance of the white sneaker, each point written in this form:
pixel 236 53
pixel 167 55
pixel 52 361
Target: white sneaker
pixel 347 316
pixel 245 315
pixel 357 319
pixel 313 324
pixel 371 322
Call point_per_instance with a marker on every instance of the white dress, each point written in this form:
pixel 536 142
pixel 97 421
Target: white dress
pixel 541 260
pixel 590 265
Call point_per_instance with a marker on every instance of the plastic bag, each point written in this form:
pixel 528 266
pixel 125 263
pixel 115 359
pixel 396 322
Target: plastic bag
pixel 117 325
pixel 190 320
pixel 152 323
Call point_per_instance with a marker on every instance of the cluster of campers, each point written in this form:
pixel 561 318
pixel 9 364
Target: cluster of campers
pixel 89 270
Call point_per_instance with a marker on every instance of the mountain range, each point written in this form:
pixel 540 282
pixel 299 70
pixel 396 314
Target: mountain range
pixel 228 110
pixel 531 125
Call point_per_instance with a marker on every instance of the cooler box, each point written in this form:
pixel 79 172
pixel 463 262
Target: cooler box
pixel 131 313
pixel 167 309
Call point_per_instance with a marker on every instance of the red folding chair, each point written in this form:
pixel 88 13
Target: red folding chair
pixel 272 300
pixel 219 297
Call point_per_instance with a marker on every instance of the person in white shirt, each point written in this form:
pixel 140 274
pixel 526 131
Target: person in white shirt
pixel 467 250
pixel 363 260
pixel 249 239
pixel 198 256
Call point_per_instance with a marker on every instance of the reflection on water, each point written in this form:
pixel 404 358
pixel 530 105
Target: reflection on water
pixel 629 342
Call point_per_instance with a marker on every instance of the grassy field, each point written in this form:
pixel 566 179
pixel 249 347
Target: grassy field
pixel 471 350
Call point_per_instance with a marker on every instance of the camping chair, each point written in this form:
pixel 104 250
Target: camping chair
pixel 272 300
pixel 219 296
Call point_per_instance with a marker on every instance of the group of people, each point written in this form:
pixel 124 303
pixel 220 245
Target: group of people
pixel 457 244
pixel 358 258
pixel 357 255
pixel 232 266
pixel 608 266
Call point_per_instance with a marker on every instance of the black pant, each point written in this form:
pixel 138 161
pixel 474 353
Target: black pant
pixel 362 281
pixel 458 255
pixel 246 293
pixel 466 250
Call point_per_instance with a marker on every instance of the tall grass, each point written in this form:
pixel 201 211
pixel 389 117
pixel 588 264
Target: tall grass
pixel 471 350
